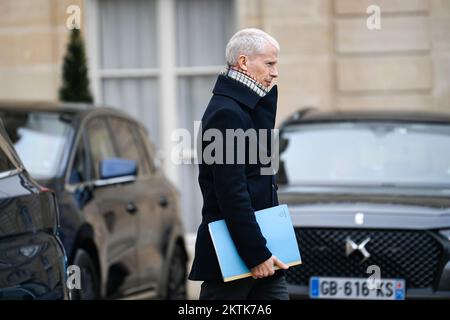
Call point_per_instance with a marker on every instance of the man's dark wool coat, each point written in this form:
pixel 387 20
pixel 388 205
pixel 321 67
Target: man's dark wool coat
pixel 235 191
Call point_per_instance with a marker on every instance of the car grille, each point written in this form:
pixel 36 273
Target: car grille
pixel 410 255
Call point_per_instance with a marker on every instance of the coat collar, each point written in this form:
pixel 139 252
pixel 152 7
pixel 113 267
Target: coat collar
pixel 231 88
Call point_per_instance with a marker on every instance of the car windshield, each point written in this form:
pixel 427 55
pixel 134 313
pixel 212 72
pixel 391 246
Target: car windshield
pixel 366 153
pixel 39 139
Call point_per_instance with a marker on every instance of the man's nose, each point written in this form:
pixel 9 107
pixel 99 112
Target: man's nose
pixel 274 73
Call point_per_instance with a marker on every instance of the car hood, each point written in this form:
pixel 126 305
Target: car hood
pixel 405 209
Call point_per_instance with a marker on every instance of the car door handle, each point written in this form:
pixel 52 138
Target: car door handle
pixel 163 202
pixel 131 207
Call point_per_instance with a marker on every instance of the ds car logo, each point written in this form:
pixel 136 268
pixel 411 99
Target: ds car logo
pixel 351 246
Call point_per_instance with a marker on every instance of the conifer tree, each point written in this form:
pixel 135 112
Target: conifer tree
pixel 75 81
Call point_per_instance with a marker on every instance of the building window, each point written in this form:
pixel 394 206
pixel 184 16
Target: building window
pixel 128 62
pixel 128 34
pixel 203 28
pixel 124 40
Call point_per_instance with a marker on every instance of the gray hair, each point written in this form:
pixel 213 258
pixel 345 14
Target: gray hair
pixel 249 42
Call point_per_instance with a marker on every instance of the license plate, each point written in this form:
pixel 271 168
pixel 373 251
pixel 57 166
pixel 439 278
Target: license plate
pixel 356 288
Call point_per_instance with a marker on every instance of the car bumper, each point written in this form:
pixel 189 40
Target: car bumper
pixel 297 292
pixel 32 267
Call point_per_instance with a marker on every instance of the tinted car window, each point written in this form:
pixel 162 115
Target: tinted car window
pixel 126 143
pixel 376 153
pixel 100 145
pixel 79 166
pixel 44 129
pixel 5 164
pixel 143 151
pixel 147 148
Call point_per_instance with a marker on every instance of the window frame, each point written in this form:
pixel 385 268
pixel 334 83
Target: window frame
pixel 167 73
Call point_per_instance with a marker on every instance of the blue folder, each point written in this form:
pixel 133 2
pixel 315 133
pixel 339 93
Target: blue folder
pixel 276 226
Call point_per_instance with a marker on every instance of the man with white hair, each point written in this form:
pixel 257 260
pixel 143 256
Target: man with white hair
pixel 242 99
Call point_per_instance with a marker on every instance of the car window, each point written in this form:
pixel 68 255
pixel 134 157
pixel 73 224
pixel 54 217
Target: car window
pixel 126 143
pixel 5 163
pixel 79 166
pixel 100 145
pixel 48 130
pixel 143 151
pixel 376 153
pixel 147 148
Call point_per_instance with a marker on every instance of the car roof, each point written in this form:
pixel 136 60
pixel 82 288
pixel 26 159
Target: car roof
pixel 44 105
pixel 76 109
pixel 313 115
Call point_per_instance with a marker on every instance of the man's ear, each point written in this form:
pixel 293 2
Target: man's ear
pixel 242 62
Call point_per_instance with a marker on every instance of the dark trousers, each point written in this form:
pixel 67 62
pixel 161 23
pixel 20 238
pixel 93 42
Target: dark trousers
pixel 270 288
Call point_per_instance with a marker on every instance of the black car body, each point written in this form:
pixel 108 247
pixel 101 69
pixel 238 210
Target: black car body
pixel 32 258
pixel 120 220
pixel 365 190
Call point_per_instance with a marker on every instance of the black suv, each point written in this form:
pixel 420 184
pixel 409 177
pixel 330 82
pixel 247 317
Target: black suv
pixel 369 195
pixel 32 258
pixel 120 221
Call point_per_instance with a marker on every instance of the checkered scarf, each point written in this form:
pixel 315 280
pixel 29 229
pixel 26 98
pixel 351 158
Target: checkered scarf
pixel 246 79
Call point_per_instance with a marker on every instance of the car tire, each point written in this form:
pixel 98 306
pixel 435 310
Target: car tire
pixel 90 283
pixel 176 280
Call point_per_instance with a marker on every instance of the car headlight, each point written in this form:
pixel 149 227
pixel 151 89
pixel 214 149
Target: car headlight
pixel 445 233
pixel 15 256
pixel 29 251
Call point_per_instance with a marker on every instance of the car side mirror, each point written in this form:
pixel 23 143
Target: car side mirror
pixel 117 167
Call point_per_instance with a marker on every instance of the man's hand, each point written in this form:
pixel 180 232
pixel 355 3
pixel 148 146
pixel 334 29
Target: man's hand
pixel 266 269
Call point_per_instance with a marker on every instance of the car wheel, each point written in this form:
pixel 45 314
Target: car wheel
pixel 176 282
pixel 90 284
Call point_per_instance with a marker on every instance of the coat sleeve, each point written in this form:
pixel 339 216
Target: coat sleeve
pixel 230 184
